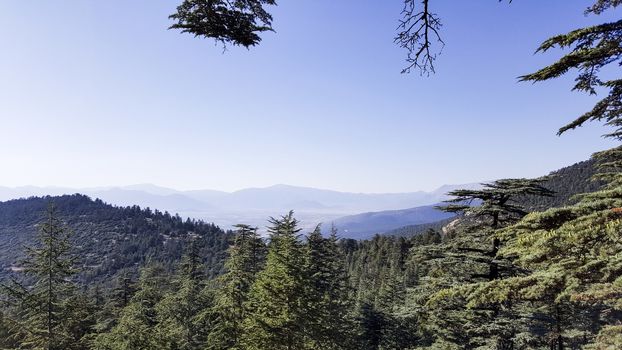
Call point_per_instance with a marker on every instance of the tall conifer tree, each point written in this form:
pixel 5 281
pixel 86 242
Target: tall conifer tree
pixel 246 259
pixel 277 304
pixel 329 323
pixel 181 324
pixel 44 306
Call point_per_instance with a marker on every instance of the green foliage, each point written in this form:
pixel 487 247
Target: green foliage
pixel 592 49
pixel 45 312
pixel 329 322
pixel 470 256
pixel 108 239
pixel 489 280
pixel 236 22
pixel 181 317
pixel 562 288
pixel 135 328
pixel 246 259
pixel 277 298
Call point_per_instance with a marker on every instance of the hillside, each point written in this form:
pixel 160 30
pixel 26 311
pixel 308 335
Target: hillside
pixel 566 183
pixel 414 230
pixel 108 238
pixel 363 226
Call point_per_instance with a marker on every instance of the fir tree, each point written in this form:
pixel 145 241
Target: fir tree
pixel 470 257
pixel 329 310
pixel 114 301
pixel 591 50
pixel 181 322
pixel 43 307
pixel 277 304
pixel 136 326
pixel 245 260
pixel 571 262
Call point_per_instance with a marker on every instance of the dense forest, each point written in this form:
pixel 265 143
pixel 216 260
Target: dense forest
pixel 490 279
pixel 109 239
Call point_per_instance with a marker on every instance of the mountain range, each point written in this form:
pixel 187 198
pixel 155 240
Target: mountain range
pixel 255 205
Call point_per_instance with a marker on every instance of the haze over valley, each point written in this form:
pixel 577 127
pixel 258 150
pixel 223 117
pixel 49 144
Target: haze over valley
pixel 254 205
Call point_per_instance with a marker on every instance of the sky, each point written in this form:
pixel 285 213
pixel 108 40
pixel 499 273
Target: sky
pixel 100 93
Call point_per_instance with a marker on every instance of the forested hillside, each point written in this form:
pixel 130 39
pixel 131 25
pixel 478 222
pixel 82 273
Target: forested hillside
pixel 151 280
pixel 106 238
pixel 565 183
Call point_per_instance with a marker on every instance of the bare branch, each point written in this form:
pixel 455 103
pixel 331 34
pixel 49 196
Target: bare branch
pixel 418 33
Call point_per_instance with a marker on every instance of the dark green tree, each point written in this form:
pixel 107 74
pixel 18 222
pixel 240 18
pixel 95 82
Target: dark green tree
pixel 236 22
pixel 44 305
pixel 329 311
pixel 181 322
pixel 113 301
pixel 469 257
pixel 277 302
pixel 135 329
pixel 246 259
pixel 7 333
pixel 492 207
pixel 570 258
pixel 591 50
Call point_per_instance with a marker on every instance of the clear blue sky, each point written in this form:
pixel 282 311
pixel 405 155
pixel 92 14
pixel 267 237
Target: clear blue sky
pixel 100 93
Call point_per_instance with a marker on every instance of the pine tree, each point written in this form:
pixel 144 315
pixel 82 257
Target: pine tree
pixel 246 259
pixel 277 304
pixel 79 320
pixel 329 323
pixel 113 302
pixel 42 307
pixel 181 324
pixel 592 50
pixel 571 258
pixel 470 257
pixel 136 326
pixel 7 333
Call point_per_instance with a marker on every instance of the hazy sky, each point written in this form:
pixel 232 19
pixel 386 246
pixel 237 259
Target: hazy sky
pixel 100 93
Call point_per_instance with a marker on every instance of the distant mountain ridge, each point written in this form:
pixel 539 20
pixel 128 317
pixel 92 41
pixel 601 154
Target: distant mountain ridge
pixel 363 226
pixel 252 205
pixel 566 183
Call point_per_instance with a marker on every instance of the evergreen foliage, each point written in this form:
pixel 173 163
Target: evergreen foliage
pixel 138 320
pixel 47 313
pixel 236 22
pixel 109 239
pixel 277 298
pixel 592 49
pixel 329 309
pixel 182 323
pixel 246 260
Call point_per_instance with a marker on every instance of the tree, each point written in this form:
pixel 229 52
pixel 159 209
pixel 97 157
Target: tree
pixel 592 49
pixel 114 301
pixel 137 322
pixel 469 257
pixel 43 306
pixel 277 298
pixel 329 309
pixel 241 22
pixel 246 258
pixel 235 22
pixel 570 258
pixel 181 322
pixel 7 334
